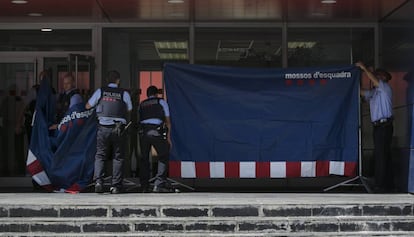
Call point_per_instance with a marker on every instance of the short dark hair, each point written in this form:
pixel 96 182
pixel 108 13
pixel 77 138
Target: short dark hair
pixel 112 76
pixel 384 73
pixel 152 90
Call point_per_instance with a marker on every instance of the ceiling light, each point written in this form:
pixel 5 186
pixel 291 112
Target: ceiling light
pixel 175 1
pixel 171 44
pixel 19 1
pixel 173 56
pixel 300 44
pixel 46 30
pixel 328 1
pixel 35 14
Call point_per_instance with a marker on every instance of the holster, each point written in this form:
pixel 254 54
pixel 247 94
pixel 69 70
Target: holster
pixel 118 129
pixel 153 130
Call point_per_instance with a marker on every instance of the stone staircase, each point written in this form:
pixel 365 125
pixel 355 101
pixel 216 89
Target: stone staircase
pixel 186 215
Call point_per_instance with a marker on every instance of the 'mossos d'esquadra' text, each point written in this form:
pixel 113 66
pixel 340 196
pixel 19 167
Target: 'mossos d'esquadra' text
pixel 318 75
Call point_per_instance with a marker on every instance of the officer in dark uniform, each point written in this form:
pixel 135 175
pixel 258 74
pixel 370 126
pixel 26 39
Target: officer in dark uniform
pixel 67 99
pixel 154 127
pixel 112 107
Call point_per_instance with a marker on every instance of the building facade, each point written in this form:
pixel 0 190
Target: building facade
pixel 136 37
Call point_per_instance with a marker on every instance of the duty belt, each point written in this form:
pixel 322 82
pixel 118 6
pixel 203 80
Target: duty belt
pixel 153 130
pixel 383 121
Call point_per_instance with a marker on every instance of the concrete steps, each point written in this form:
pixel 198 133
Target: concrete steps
pixel 209 215
pixel 243 225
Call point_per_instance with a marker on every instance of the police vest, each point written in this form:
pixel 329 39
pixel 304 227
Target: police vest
pixel 63 103
pixel 151 108
pixel 111 104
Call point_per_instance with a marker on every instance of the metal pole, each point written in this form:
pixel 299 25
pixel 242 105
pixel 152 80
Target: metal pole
pixel 76 71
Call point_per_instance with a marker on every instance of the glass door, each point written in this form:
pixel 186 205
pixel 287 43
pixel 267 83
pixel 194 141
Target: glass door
pixel 82 68
pixel 17 79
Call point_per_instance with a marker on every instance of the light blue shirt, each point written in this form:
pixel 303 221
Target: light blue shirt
pixel 93 101
pixel 380 101
pixel 157 121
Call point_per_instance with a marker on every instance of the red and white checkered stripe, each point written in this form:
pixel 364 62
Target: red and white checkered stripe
pixel 39 175
pixel 274 169
pixel 36 170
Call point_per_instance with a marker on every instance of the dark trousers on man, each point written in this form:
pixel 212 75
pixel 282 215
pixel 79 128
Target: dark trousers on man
pixel 384 178
pixel 110 144
pixel 162 147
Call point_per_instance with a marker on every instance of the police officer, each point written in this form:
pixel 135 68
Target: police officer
pixel 67 99
pixel 112 107
pixel 380 103
pixel 154 127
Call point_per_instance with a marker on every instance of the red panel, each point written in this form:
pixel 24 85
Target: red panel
pixel 144 83
pixel 262 169
pixel 202 169
pixel 232 170
pixel 350 169
pixel 322 168
pixel 293 169
pixel 174 170
pixel 35 167
pixel 156 79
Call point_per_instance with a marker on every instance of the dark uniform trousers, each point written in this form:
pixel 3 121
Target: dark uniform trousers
pixel 162 147
pixel 109 144
pixel 382 153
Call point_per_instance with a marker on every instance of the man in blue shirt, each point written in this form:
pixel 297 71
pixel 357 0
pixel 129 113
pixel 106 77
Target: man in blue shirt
pixel 380 103
pixel 113 105
pixel 154 127
pixel 68 98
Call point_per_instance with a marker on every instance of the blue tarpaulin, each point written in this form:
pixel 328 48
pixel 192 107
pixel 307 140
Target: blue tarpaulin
pixel 238 122
pixel 61 159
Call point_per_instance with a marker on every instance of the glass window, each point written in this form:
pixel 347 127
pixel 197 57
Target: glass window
pixel 247 47
pixel 15 93
pixel 398 47
pixel 323 47
pixel 36 40
pixel 147 50
pixel 397 54
pixel 149 78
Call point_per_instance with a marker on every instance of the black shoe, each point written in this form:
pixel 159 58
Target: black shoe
pixel 98 188
pixel 115 190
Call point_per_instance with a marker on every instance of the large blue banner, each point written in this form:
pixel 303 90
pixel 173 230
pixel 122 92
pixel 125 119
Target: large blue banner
pixel 249 123
pixel 61 159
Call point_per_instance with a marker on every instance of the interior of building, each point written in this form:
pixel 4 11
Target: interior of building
pixel 137 37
